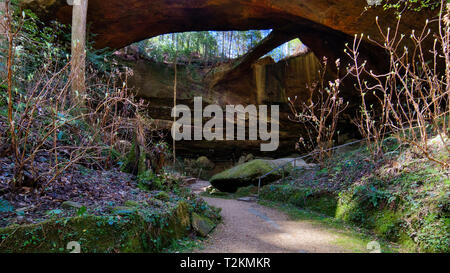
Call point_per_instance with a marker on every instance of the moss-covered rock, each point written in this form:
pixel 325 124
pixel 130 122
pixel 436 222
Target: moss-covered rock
pixel 321 202
pixel 388 224
pixel 202 225
pixel 248 174
pixel 400 198
pixel 414 229
pixel 204 163
pixel 139 231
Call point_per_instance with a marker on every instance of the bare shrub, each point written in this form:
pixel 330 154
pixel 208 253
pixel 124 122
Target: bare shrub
pixel 412 98
pixel 49 126
pixel 49 131
pixel 321 114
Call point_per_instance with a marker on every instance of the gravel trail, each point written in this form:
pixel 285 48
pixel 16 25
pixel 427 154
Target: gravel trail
pixel 251 228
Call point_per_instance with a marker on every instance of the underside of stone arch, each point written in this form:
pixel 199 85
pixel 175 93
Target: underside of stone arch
pixel 118 23
pixel 324 26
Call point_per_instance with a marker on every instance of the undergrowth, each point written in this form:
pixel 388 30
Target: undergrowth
pixel 403 198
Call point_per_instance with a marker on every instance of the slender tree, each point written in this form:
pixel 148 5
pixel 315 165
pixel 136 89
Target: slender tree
pixel 175 104
pixel 3 37
pixel 79 16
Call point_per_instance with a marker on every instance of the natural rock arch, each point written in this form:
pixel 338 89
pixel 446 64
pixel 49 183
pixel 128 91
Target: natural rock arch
pixel 118 23
pixel 325 26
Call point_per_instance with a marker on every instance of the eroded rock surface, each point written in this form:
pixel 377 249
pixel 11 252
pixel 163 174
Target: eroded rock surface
pixel 121 22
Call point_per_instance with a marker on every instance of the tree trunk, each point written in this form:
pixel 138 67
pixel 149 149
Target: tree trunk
pixel 79 14
pixel 231 43
pixel 175 106
pixel 3 40
pixel 223 46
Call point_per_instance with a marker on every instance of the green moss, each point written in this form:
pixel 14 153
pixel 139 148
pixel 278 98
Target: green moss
pixel 162 195
pixel 135 160
pixel 142 164
pixel 349 238
pixel 129 162
pixel 131 203
pixel 247 174
pixel 202 225
pixel 401 198
pixel 185 245
pixel 122 210
pixel 388 224
pixel 134 232
pixel 95 234
pixel 407 242
pixel 325 204
pixel 347 208
pixel 321 202
pixel 246 171
pixel 241 192
pixel 434 234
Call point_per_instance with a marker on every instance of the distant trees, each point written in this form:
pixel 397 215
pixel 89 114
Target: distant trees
pixel 415 5
pixel 189 46
pixel 209 46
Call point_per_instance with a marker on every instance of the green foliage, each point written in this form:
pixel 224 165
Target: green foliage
pixel 388 224
pixel 408 204
pixel 5 206
pixel 38 45
pixel 433 235
pixel 186 45
pixel 185 245
pixel 306 198
pixel 148 180
pixel 415 5
pixel 151 181
pixel 41 46
pixel 209 46
pixel 144 231
pixel 162 195
pixel 81 211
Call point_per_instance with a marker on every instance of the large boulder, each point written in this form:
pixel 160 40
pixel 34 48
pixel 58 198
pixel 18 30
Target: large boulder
pixel 248 174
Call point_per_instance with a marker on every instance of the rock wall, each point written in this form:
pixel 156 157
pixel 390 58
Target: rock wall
pixel 129 233
pixel 266 83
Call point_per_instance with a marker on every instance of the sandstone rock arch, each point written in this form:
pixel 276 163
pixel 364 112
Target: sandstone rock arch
pixel 323 25
pixel 118 23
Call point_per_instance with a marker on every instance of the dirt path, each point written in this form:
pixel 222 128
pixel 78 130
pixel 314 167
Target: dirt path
pixel 251 228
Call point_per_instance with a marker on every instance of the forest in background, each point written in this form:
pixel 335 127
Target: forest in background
pixel 214 46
